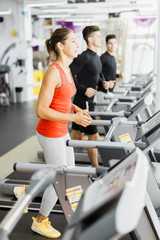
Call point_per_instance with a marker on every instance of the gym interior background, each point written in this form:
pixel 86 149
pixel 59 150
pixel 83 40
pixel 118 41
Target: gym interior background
pixel 24 26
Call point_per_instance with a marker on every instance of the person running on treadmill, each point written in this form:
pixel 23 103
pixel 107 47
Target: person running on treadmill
pixel 53 109
pixel 109 63
pixel 86 69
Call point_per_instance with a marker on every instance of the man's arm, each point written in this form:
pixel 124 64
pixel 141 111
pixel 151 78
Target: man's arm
pixel 100 84
pixel 76 67
pixel 120 75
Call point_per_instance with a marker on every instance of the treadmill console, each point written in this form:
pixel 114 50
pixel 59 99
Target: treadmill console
pixel 109 207
pixel 150 124
pixel 145 100
pixel 111 184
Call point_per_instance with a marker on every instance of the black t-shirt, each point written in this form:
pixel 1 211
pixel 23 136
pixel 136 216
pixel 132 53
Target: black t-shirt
pixel 86 69
pixel 108 66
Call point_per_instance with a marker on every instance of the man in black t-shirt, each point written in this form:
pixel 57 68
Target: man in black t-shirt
pixel 109 63
pixel 86 69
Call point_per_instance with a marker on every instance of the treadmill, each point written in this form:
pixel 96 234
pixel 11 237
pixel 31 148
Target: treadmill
pixel 109 209
pixel 147 138
pixel 139 110
pixel 150 132
pixel 138 133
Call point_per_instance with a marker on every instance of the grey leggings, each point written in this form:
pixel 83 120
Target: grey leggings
pixel 57 153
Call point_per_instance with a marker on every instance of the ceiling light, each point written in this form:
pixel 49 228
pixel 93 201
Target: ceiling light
pixel 58 10
pixel 46 3
pixel 79 19
pixel 8 12
pixel 53 16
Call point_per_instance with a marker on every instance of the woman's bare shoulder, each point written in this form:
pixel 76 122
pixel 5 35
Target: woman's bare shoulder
pixel 52 69
pixel 52 76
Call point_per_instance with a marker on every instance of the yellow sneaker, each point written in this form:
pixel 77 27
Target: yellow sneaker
pixel 45 229
pixel 18 192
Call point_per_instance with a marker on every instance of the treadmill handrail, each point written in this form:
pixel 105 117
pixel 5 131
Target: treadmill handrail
pixel 95 144
pixel 109 122
pixel 32 167
pixel 121 98
pixel 110 114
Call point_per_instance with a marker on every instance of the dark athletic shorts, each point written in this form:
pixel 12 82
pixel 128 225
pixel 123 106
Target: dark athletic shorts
pixel 88 130
pixel 80 101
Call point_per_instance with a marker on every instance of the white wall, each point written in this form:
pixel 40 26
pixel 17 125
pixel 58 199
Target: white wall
pixel 139 57
pixel 139 48
pixel 15 32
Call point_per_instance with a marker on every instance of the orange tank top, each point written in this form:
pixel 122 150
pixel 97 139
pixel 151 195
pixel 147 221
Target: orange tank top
pixel 61 102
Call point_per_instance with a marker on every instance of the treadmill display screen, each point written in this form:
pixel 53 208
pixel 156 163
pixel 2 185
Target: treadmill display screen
pixel 111 185
pixel 124 175
pixel 151 123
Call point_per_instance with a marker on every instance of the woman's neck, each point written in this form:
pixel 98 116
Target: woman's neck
pixel 64 63
pixel 65 66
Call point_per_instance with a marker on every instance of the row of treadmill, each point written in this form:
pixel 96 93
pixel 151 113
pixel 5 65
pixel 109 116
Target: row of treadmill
pixel 121 198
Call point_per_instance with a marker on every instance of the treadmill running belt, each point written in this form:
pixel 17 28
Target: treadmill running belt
pixel 23 227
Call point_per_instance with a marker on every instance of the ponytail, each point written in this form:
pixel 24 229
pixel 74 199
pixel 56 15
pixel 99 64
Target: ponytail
pixel 59 35
pixel 48 46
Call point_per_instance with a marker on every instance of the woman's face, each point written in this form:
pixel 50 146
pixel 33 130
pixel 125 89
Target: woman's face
pixel 70 47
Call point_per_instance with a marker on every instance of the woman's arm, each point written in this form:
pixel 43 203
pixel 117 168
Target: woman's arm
pixel 80 110
pixel 75 108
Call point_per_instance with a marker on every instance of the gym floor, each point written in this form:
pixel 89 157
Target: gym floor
pixel 17 123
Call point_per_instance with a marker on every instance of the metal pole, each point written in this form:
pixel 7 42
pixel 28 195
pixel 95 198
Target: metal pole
pixel 32 167
pixel 96 144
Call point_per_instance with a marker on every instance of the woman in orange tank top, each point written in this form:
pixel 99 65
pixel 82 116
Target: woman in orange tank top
pixel 53 109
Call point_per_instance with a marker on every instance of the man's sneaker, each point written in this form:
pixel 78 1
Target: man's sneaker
pixel 44 228
pixel 18 192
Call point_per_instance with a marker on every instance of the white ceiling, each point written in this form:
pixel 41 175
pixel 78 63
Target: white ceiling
pixel 100 9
